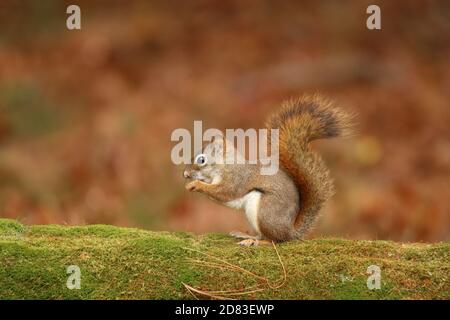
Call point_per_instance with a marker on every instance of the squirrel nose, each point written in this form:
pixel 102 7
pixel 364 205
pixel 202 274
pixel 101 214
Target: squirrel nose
pixel 186 174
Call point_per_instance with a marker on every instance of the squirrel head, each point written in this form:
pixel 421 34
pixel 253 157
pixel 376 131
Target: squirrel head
pixel 205 164
pixel 209 164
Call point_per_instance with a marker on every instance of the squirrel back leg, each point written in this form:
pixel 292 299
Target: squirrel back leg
pixel 276 219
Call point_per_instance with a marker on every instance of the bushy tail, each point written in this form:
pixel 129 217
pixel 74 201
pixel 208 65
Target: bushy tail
pixel 299 122
pixel 309 118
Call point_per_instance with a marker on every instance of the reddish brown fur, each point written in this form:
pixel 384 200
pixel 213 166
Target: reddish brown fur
pixel 290 200
pixel 301 121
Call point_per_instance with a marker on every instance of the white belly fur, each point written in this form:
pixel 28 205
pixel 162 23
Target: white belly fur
pixel 250 204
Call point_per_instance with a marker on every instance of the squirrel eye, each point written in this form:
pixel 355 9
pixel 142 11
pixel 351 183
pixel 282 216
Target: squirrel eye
pixel 200 160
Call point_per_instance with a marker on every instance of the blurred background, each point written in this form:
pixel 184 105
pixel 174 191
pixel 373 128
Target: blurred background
pixel 86 115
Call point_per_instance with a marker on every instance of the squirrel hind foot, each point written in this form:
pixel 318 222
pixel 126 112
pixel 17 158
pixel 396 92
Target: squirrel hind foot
pixel 254 242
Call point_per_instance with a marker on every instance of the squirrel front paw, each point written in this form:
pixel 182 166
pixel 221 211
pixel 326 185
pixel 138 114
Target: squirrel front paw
pixel 193 185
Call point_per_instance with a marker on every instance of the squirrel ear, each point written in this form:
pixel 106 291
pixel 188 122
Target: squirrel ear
pixel 212 135
pixel 218 147
pixel 215 139
pixel 214 150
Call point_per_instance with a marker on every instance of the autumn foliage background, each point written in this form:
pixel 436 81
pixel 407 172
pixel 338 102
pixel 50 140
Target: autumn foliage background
pixel 86 115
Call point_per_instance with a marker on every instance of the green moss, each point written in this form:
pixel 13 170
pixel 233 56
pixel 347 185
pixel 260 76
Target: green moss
pixel 10 228
pixel 122 263
pixel 93 230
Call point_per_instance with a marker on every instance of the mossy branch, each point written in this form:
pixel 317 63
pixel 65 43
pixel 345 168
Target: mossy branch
pixel 121 263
